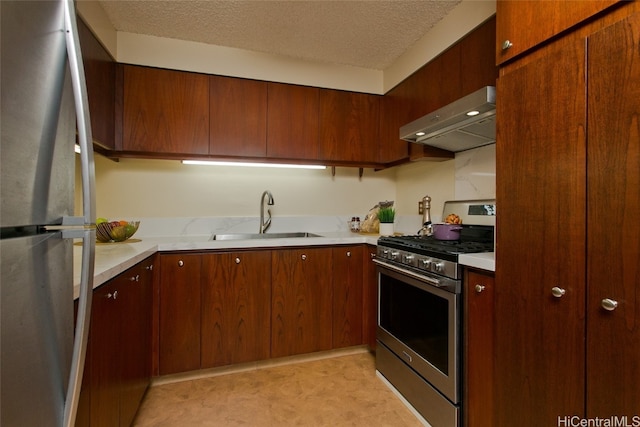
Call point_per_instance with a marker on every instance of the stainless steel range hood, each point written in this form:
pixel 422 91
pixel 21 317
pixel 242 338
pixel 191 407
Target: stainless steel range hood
pixel 452 128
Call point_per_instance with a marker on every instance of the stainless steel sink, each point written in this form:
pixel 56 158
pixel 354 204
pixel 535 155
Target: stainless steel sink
pixel 249 236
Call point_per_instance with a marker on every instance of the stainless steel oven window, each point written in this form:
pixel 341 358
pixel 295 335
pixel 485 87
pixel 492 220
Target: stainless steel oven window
pixel 420 324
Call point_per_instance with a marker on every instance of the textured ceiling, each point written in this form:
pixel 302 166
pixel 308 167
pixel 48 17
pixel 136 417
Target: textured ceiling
pixel 370 34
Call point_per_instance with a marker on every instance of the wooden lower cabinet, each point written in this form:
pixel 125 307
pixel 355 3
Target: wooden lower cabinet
pixel 347 279
pixel 477 348
pixel 179 312
pixel 369 297
pixel 118 364
pixel 221 308
pixel 301 301
pixel 236 307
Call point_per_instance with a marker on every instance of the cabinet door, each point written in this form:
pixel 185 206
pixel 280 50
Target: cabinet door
pixel 540 187
pixel 236 308
pixel 135 342
pixel 165 111
pixel 347 296
pixel 292 115
pixel 370 297
pixel 179 313
pixel 349 124
pixel 100 74
pixel 613 340
pixel 526 24
pixel 478 349
pixel 106 357
pixel 238 117
pixel 301 301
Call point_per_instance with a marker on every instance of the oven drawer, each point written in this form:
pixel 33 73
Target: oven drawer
pixel 434 407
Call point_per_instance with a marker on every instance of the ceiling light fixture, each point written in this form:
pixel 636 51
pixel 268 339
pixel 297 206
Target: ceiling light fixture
pixel 249 164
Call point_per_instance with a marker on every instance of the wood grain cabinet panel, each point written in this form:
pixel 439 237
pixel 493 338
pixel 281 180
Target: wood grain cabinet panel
pixel 569 145
pixel 179 313
pixel 479 289
pixel 118 364
pixel 370 297
pixel 165 111
pixel 541 159
pixel 301 301
pixel 238 117
pixel 349 126
pixel 236 307
pixel 100 75
pixel 347 296
pixel 613 337
pixel 292 115
pixel 526 24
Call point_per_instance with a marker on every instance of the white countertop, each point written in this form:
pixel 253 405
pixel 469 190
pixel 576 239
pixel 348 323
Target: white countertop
pixel 115 258
pixel 484 261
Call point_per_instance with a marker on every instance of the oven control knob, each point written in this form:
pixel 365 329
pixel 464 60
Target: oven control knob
pixel 407 259
pixel 439 267
pixel 394 255
pixel 384 254
pixel 426 263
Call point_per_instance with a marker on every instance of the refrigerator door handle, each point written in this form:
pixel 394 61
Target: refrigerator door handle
pixel 88 209
pixel 85 138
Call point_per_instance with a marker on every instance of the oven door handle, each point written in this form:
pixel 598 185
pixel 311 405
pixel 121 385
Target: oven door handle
pixel 421 277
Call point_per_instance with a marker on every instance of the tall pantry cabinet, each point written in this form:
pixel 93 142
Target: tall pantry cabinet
pixel 567 294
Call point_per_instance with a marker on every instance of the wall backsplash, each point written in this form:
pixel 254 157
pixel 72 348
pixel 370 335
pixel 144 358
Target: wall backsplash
pixel 133 188
pixel 476 173
pixel 167 189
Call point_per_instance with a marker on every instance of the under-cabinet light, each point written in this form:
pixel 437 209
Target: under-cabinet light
pixel 254 165
pixel 473 113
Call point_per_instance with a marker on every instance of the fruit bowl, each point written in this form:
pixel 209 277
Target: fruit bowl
pixel 115 231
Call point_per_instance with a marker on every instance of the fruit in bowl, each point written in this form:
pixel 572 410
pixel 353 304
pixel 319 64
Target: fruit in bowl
pixel 115 231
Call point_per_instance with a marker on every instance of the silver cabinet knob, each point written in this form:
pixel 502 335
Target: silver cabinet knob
pixel 348 253
pixel 237 260
pixel 181 263
pixel 609 304
pixel 113 295
pixel 558 292
pixel 372 255
pixel 135 278
pixel 149 267
pixel 304 257
pixel 480 288
pixel 506 45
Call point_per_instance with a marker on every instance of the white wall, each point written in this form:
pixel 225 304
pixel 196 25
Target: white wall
pixel 166 188
pixel 190 56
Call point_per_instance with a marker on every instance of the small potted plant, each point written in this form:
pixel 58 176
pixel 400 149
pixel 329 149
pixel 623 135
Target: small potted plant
pixel 386 216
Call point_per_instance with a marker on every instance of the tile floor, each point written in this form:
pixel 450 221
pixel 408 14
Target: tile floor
pixel 340 390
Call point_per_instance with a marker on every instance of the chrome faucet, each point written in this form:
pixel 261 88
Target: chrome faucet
pixel 264 226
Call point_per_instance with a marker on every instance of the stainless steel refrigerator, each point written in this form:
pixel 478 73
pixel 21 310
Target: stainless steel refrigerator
pixel 44 111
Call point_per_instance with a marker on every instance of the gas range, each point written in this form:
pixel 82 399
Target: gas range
pixel 426 254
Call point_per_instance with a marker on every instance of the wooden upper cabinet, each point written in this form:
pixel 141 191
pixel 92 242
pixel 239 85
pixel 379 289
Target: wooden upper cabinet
pixel 165 111
pixel 477 69
pixel 100 75
pixel 292 114
pixel 392 112
pixel 238 111
pixel 525 24
pixel 349 126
